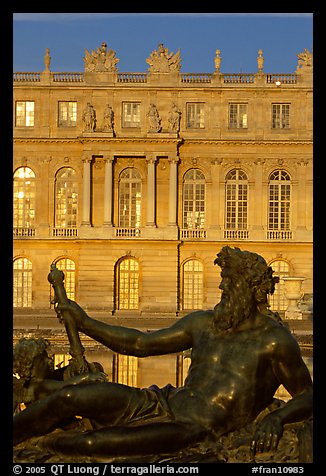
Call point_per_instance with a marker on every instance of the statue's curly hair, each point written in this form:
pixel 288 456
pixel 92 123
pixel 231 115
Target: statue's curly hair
pixel 25 352
pixel 251 266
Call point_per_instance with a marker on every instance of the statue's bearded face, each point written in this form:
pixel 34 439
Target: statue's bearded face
pixel 237 301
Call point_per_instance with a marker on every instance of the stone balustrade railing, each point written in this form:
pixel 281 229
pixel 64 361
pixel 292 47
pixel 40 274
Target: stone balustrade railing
pixel 184 78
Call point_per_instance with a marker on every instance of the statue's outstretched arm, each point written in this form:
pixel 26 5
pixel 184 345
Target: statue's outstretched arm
pixel 128 341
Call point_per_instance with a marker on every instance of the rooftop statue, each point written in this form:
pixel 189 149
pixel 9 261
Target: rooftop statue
pixel 101 60
pixel 240 354
pixel 161 61
pixel 305 60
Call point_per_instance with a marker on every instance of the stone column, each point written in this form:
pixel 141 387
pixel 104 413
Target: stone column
pixel 108 191
pixel 86 221
pixel 151 191
pixel 173 191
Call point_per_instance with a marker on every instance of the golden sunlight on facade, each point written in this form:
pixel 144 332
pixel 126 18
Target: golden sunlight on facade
pixel 132 182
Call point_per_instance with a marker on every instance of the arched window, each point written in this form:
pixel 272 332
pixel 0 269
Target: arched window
pixel 66 198
pixel 130 198
pixel 68 267
pixel 279 200
pixel 24 198
pixel 128 283
pixel 236 193
pixel 194 199
pixel 22 277
pixel 192 284
pixel 278 301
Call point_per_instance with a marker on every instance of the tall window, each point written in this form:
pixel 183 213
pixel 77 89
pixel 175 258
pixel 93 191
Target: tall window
pixel 192 284
pixel 24 198
pixel 238 116
pixel 68 267
pixel 22 278
pixel 24 114
pixel 195 115
pixel 236 193
pixel 66 198
pixel 67 113
pixel 128 284
pixel 125 369
pixel 130 198
pixel 280 116
pixel 194 199
pixel 279 200
pixel 131 114
pixel 278 301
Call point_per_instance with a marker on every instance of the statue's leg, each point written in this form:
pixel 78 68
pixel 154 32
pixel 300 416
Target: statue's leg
pixel 146 439
pixel 103 402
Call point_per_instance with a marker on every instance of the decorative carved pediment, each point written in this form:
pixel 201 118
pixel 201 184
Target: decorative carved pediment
pixel 101 60
pixel 161 61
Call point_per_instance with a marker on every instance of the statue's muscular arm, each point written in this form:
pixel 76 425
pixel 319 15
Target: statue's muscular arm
pixel 291 371
pixel 124 340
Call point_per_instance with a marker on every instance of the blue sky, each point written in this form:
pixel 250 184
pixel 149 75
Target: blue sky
pixel 133 36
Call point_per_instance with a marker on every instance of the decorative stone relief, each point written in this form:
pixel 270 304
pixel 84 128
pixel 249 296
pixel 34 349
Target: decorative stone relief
pixel 101 60
pixel 305 61
pixel 161 61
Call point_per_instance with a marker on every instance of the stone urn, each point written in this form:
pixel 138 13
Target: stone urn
pixel 293 293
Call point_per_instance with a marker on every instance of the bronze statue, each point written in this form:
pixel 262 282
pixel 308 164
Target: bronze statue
pixel 240 354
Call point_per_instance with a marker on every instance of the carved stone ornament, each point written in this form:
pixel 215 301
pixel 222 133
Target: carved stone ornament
pixel 101 60
pixel 161 61
pixel 305 60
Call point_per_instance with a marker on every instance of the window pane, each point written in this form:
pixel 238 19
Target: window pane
pixel 279 201
pixel 24 198
pixel 22 283
pixel 67 113
pixel 236 194
pixel 193 285
pixel 131 115
pixel 128 284
pixel 194 199
pixel 66 198
pixel 130 198
pixel 24 114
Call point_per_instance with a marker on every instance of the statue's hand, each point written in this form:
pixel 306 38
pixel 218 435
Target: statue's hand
pixel 268 434
pixel 76 312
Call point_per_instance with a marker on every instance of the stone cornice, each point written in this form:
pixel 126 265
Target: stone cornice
pixel 163 140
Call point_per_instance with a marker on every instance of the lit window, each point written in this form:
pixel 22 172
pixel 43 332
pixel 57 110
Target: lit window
pixel 126 369
pixel 192 284
pixel 68 267
pixel 22 280
pixel 66 198
pixel 67 114
pixel 131 114
pixel 128 283
pixel 130 198
pixel 24 114
pixel 24 198
pixel 195 115
pixel 194 199
pixel 236 192
pixel 278 301
pixel 238 116
pixel 280 116
pixel 279 200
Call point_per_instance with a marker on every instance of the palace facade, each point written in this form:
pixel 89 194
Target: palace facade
pixel 131 183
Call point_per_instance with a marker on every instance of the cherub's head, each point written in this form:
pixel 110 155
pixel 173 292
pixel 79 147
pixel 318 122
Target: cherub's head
pixel 30 358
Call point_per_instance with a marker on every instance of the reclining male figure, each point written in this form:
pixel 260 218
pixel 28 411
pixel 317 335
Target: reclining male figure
pixel 240 354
